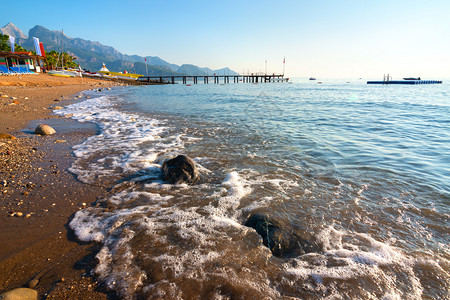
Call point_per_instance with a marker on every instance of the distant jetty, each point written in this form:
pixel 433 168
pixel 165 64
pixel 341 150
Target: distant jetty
pixel 409 80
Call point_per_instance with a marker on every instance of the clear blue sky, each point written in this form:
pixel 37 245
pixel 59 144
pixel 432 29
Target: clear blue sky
pixel 318 38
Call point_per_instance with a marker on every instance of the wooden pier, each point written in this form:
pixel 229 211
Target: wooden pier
pixel 406 82
pixel 387 79
pixel 253 78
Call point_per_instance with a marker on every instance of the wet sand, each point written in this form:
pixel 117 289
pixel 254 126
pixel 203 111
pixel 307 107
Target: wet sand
pixel 38 195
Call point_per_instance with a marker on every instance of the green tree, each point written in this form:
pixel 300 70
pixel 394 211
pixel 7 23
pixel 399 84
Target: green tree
pixel 19 48
pixel 69 61
pixel 53 60
pixel 4 42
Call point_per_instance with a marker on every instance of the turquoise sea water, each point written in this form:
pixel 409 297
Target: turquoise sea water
pixel 361 170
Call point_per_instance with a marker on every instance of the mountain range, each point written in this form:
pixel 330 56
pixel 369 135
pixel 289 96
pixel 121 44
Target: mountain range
pixel 91 55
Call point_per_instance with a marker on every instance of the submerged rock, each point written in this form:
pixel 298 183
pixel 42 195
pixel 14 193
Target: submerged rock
pixel 19 294
pixel 44 129
pixel 180 169
pixel 281 240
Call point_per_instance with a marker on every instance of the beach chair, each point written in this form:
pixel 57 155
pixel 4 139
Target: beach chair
pixel 24 70
pixel 15 70
pixel 5 70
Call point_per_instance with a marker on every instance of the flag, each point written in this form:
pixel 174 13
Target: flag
pixel 36 46
pixel 145 58
pixel 284 60
pixel 11 42
pixel 41 46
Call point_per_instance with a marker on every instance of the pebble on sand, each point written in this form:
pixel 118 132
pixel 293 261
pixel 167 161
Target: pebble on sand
pixel 33 283
pixel 44 129
pixel 7 136
pixel 20 294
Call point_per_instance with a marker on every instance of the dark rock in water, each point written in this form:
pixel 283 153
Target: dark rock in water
pixel 281 241
pixel 180 169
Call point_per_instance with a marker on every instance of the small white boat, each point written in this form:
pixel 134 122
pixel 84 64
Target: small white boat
pixel 65 73
pixel 104 72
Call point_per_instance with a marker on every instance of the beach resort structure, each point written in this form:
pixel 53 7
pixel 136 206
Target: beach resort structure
pixel 19 63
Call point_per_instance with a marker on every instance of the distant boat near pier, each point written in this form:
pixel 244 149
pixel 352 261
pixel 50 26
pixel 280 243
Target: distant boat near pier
pixel 407 80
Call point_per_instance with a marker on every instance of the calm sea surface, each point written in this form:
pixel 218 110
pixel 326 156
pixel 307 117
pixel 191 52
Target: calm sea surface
pixel 361 170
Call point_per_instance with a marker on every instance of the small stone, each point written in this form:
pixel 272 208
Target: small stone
pixel 44 129
pixel 33 283
pixel 59 141
pixel 27 215
pixel 20 293
pixel 57 107
pixel 19 214
pixel 13 98
pixel 16 102
pixel 7 136
pixel 5 96
pixel 83 204
pixel 26 98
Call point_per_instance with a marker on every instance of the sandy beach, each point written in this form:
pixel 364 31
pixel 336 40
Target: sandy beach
pixel 38 194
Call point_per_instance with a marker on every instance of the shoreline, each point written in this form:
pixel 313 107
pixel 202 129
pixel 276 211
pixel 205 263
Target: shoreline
pixel 39 195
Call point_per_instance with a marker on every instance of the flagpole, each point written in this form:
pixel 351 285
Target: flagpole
pixel 284 63
pixel 146 68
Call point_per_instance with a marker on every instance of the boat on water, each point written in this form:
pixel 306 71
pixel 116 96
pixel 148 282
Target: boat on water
pixel 312 78
pixel 411 78
pixel 104 72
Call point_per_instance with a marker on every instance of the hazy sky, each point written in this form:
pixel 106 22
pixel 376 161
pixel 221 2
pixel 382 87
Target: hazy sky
pixel 318 38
